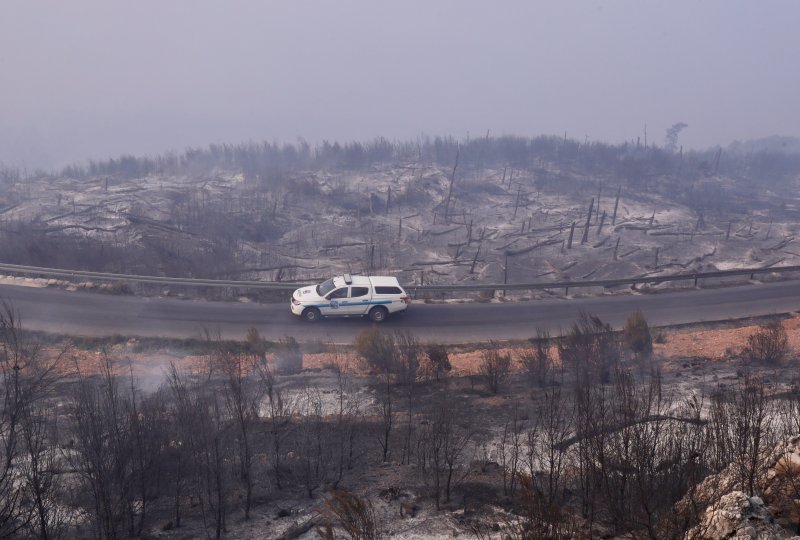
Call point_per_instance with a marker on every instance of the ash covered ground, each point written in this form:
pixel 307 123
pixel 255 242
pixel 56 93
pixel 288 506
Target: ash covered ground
pixel 464 215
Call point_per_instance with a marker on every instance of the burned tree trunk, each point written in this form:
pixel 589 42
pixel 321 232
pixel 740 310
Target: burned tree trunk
pixel 475 260
pixel 516 204
pixel 571 233
pixel 450 189
pixel 616 205
pixel 585 237
pixel 599 194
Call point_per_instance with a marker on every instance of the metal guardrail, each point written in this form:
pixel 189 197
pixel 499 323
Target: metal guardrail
pixel 695 276
pixel 60 272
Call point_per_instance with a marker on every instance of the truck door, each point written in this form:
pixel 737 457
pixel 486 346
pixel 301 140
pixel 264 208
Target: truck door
pixel 337 302
pixel 358 302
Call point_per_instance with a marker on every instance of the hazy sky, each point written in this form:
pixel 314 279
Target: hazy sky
pixel 95 78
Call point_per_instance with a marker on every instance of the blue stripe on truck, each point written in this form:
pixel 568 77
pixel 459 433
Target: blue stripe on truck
pixel 354 303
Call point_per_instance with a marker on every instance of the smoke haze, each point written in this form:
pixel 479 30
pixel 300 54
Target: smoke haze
pixel 93 78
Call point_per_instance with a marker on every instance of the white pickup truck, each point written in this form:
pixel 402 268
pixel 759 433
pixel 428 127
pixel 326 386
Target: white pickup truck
pixel 350 296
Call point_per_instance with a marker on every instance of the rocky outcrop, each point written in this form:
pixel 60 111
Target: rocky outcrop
pixel 725 512
pixel 737 516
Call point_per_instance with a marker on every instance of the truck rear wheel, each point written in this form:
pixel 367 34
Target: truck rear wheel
pixel 378 314
pixel 311 314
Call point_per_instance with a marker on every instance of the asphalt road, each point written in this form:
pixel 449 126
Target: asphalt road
pixel 93 314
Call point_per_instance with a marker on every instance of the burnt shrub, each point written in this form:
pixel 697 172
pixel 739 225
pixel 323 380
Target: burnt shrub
pixel 288 357
pixel 352 513
pixel 254 344
pixel 494 367
pixel 536 359
pixel 637 336
pixel 590 347
pixel 767 345
pixel 409 354
pixel 120 287
pixel 378 349
pixel 436 361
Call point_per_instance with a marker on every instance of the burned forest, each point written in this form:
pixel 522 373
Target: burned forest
pixel 402 270
pixel 594 432
pixel 431 211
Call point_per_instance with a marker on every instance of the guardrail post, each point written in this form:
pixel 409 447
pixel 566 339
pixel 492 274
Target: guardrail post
pixel 695 280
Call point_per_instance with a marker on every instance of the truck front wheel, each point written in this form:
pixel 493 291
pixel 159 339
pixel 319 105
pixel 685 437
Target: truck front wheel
pixel 378 314
pixel 311 314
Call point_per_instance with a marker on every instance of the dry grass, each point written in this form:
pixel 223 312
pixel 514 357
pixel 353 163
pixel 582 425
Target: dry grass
pixel 712 344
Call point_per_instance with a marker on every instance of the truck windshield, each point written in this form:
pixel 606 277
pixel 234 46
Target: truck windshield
pixel 325 288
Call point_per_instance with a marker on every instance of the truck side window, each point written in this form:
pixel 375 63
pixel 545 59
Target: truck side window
pixel 338 293
pixel 388 290
pixel 356 292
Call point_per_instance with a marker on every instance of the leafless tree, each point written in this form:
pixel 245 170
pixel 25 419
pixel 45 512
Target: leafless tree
pixel 148 439
pixel 546 456
pixel 26 378
pixel 446 436
pixel 313 456
pixel 349 414
pixel 634 485
pixel 750 411
pixel 103 452
pixel 494 367
pixel 379 349
pixel 408 355
pixel 592 418
pixel 409 352
pixel 687 443
pixel 40 435
pixel 280 417
pixel 510 449
pixel 385 402
pixel 242 395
pixel 787 410
pixel 536 359
pixel 203 431
pixel 740 428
